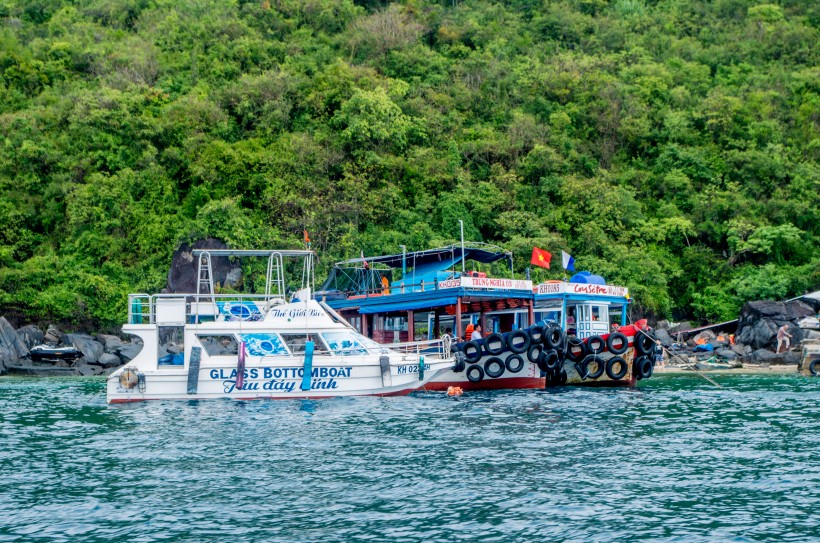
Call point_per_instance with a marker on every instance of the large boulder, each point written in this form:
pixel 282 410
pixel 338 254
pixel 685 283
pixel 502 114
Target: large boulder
pixel 182 276
pixel 680 327
pixel 128 352
pixel 704 337
pixel 11 347
pixel 760 320
pixel 664 337
pixel 54 336
pixel 108 360
pixel 762 356
pixel 91 349
pixel 727 354
pixel 30 336
pixel 110 343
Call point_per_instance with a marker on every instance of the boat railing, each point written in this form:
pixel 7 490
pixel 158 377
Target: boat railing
pixel 434 347
pixel 198 308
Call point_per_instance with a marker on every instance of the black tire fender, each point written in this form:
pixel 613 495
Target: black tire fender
pixel 472 351
pixel 617 343
pixel 514 363
pixel 536 333
pixel 494 344
pixel 518 341
pixel 494 367
pixel 553 336
pixel 461 362
pixel 549 360
pixel 595 345
pixel 611 372
pixel 576 349
pixel 534 352
pixel 642 367
pixel 475 374
pixel 813 366
pixel 644 343
pixel 587 362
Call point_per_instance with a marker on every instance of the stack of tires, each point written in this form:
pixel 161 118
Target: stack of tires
pixel 647 353
pixel 553 352
pixel 509 353
pixel 589 361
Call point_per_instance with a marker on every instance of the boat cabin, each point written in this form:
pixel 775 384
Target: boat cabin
pixel 585 306
pixel 420 295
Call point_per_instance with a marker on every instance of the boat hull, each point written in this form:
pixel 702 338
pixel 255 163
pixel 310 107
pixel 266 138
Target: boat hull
pixel 274 382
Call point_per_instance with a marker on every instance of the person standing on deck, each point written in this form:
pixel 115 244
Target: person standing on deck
pixel 783 336
pixel 476 333
pixel 468 332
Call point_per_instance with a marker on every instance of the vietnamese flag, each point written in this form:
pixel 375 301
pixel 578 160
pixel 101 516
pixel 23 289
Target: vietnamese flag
pixel 540 257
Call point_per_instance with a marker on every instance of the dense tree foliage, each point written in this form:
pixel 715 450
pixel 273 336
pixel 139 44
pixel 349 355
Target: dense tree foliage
pixel 671 146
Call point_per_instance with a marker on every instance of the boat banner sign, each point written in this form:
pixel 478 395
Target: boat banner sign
pixel 582 288
pixel 487 282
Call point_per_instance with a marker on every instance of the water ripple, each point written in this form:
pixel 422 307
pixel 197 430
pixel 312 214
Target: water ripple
pixel 674 460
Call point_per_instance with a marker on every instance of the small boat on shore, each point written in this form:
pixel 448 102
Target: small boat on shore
pixel 49 353
pixel 207 345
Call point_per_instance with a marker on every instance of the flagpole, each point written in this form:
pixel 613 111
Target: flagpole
pixel 463 269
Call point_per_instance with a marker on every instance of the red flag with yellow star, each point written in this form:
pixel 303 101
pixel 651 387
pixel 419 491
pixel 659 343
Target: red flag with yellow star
pixel 540 257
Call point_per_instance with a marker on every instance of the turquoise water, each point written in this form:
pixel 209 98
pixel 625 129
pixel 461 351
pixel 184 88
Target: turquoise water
pixel 673 460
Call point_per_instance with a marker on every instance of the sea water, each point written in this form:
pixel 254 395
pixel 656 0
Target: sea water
pixel 675 459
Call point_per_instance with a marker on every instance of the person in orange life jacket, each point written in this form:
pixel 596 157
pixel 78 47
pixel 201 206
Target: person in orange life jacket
pixel 476 333
pixel 385 285
pixel 469 331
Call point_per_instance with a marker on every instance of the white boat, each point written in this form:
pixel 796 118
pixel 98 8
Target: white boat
pixel 207 345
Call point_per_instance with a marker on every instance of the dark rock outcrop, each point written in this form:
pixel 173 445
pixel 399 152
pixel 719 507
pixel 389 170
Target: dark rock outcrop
pixel 728 354
pixel 760 320
pixel 108 360
pixel 664 337
pixel 182 276
pixel 30 336
pixel 110 343
pixel 91 349
pixel 128 352
pixel 12 348
pixel 54 336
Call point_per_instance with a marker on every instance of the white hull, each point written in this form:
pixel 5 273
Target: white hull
pixel 340 377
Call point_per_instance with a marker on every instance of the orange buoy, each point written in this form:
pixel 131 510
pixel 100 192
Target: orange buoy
pixel 454 391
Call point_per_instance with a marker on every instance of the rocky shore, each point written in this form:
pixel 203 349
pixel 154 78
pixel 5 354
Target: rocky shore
pixel 750 342
pixel 100 354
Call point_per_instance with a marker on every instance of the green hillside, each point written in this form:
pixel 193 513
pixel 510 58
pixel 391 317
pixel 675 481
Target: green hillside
pixel 672 146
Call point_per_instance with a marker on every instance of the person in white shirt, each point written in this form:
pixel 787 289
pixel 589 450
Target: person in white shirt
pixel 476 333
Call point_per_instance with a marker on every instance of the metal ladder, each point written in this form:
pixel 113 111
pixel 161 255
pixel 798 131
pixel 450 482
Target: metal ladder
pixel 275 280
pixel 204 280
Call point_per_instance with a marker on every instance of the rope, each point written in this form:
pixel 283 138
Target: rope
pixel 685 361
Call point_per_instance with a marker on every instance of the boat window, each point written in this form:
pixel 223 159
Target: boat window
pixel 170 346
pixel 296 343
pixel 219 345
pixel 346 343
pixel 264 344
